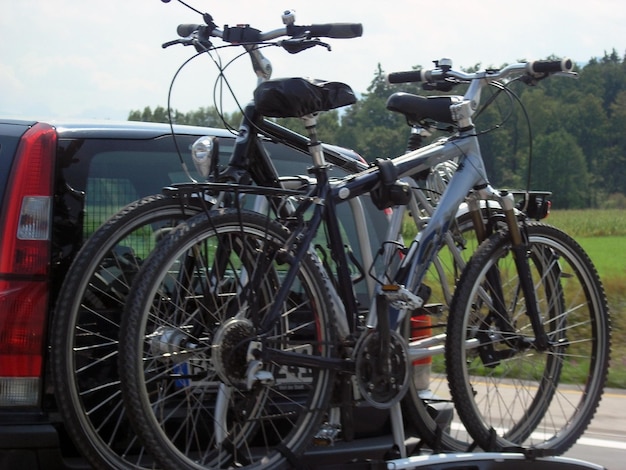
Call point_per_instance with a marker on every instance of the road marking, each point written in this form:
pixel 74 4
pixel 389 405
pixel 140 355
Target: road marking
pixel 583 441
pixel 592 441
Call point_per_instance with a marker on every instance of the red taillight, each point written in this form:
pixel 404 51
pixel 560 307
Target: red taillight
pixel 23 307
pixel 25 266
pixel 25 236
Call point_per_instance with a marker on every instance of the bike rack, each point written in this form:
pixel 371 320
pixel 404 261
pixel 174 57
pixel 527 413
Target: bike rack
pixel 488 461
pixel 469 461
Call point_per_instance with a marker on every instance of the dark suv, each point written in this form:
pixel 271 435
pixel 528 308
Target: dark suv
pixel 59 181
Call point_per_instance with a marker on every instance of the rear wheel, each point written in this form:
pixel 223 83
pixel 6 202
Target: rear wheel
pixel 85 331
pixel 198 377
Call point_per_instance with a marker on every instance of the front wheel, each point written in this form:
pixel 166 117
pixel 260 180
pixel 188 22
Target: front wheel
pixel 508 392
pixel 202 370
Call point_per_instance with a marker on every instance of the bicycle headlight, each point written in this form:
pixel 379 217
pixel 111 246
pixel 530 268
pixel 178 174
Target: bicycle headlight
pixel 204 152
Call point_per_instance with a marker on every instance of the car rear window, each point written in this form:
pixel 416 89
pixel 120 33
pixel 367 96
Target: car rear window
pixel 97 177
pixel 118 177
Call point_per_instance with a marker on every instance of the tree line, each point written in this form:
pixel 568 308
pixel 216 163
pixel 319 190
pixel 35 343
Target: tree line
pixel 575 145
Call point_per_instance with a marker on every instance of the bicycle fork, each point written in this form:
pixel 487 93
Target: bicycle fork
pixel 520 250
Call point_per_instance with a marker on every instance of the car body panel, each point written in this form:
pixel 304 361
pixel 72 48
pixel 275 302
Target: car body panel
pixel 99 168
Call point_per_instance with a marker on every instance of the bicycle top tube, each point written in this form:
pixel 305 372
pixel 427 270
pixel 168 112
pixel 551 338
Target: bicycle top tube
pixel 409 164
pixel 465 142
pixel 470 174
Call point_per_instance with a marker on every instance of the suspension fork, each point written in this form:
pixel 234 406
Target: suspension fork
pixel 521 254
pixel 476 214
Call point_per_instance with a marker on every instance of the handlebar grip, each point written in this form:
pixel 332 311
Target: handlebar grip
pixel 550 66
pixel 184 30
pixel 411 76
pixel 329 30
pixel 337 30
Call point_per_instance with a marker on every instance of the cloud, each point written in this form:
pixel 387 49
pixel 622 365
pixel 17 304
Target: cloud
pixel 69 56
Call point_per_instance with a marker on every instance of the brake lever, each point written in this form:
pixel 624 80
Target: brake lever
pixel 573 75
pixel 444 85
pixel 173 43
pixel 533 79
pixel 437 86
pixel 201 45
pixel 295 45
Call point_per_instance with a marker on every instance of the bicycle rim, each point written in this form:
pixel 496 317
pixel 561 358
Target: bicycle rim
pixel 191 341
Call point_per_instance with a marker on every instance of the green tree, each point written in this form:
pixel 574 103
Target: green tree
pixel 203 116
pixel 148 115
pixel 615 170
pixel 328 125
pixel 576 126
pixel 559 166
pixel 370 128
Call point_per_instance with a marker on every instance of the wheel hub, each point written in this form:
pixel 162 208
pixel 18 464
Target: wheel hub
pixel 230 350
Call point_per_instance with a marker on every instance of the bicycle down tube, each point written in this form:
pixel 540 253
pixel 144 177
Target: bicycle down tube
pixel 469 175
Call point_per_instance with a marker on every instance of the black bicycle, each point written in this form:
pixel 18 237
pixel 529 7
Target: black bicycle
pixel 89 309
pixel 239 340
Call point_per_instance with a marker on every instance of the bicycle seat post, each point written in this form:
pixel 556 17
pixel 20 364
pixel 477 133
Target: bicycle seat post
pixel 315 146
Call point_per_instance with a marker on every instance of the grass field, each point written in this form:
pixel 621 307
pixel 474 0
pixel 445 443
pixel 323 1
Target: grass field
pixel 602 234
pixel 608 255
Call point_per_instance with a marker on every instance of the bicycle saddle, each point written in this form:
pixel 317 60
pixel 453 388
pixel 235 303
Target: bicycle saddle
pixel 418 108
pixel 297 97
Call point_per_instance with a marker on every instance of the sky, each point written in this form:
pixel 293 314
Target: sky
pixel 100 59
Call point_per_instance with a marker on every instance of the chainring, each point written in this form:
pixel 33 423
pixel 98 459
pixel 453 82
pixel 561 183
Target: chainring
pixel 382 389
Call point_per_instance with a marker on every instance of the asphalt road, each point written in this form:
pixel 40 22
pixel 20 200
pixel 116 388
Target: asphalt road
pixel 604 442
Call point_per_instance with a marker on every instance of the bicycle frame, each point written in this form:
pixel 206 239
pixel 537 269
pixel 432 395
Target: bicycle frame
pixel 401 292
pixel 324 200
pixel 470 178
pixel 470 174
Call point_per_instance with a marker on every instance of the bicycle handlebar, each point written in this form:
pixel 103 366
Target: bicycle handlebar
pixel 246 34
pixel 550 66
pixel 184 30
pixel 536 67
pixel 411 76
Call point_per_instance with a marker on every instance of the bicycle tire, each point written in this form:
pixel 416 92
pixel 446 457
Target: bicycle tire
pixel 185 371
pixel 85 331
pixel 556 392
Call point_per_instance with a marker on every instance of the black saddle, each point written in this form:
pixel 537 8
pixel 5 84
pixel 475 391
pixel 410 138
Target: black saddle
pixel 297 97
pixel 419 108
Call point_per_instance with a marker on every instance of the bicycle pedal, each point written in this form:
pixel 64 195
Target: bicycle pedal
pixel 327 435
